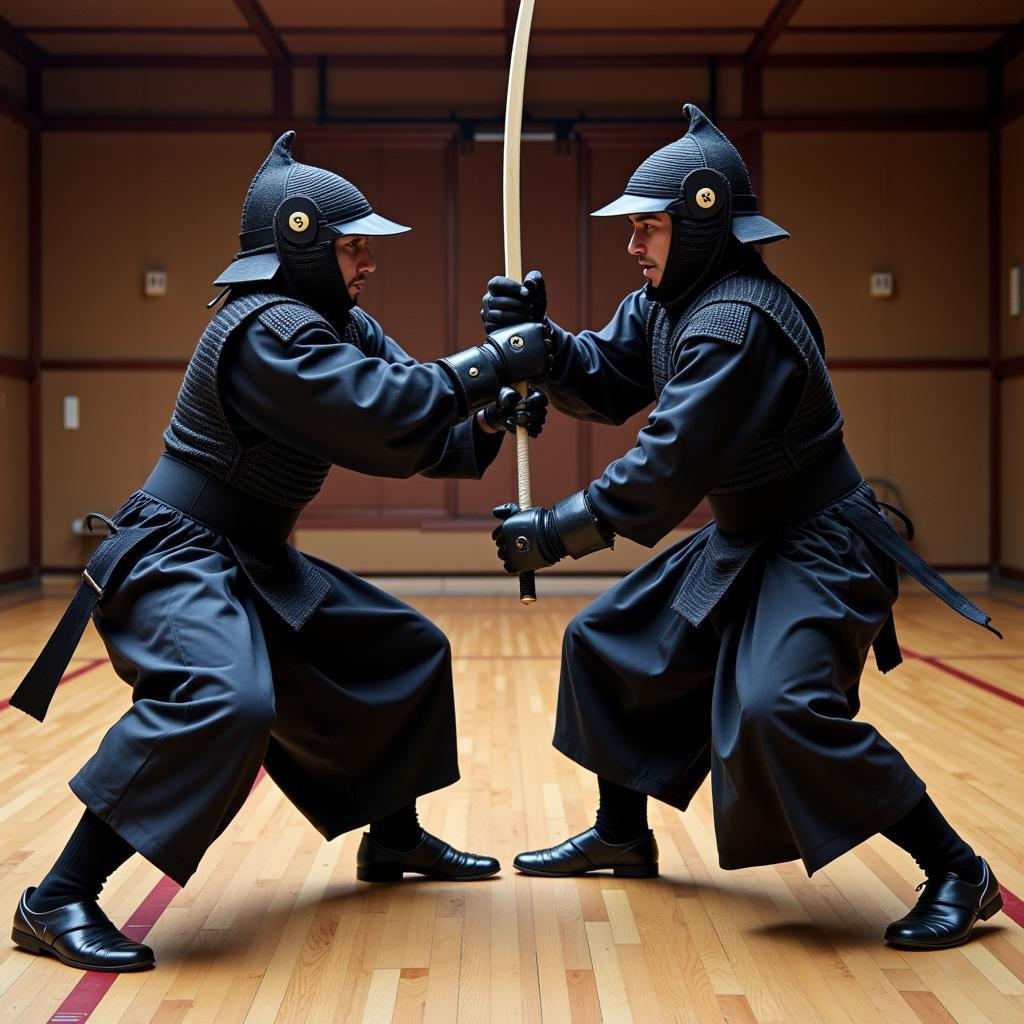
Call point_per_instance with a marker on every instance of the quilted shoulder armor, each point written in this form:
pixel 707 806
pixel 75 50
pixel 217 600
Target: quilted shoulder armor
pixel 285 319
pixel 726 321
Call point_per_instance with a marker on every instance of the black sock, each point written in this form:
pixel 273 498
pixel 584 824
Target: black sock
pixel 622 814
pixel 926 835
pixel 93 853
pixel 400 830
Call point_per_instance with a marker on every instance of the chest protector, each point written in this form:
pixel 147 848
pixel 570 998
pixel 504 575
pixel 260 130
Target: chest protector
pixel 812 425
pixel 200 432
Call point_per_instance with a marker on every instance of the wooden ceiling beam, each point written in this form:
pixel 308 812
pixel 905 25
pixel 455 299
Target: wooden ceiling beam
pixel 382 128
pixel 262 26
pixel 538 62
pixel 486 32
pixel 772 28
pixel 1003 50
pixel 19 46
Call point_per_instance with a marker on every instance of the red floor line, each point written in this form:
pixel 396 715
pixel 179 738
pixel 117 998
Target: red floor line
pixel 1013 906
pixel 67 677
pixel 83 999
pixel 976 657
pixel 30 658
pixel 964 676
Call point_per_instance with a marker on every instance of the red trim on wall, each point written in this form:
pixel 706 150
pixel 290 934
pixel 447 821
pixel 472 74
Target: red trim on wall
pixel 118 365
pixel 19 368
pixel 15 575
pixel 907 364
pixel 1009 368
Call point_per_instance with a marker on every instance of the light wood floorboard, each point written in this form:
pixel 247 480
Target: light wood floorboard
pixel 275 927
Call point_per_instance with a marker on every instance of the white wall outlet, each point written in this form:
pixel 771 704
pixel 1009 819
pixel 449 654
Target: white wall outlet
pixel 1015 290
pixel 70 412
pixel 881 286
pixel 154 283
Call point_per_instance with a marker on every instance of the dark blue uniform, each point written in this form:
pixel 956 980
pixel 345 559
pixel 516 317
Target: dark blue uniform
pixel 352 712
pixel 738 650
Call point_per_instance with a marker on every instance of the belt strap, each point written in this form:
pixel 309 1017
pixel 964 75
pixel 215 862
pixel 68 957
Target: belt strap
pixel 788 500
pixel 218 505
pixel 877 529
pixel 36 690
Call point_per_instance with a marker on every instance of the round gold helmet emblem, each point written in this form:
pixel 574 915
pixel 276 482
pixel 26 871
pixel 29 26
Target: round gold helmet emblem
pixel 706 198
pixel 299 221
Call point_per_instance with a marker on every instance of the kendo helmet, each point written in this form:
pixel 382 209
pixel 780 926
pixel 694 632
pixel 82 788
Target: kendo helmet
pixel 698 177
pixel 290 218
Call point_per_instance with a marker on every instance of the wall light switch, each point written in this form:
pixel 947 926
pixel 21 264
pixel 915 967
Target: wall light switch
pixel 71 412
pixel 1015 290
pixel 881 284
pixel 154 284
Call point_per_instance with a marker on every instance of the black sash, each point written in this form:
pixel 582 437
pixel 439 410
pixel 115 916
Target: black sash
pixel 256 530
pixel 36 690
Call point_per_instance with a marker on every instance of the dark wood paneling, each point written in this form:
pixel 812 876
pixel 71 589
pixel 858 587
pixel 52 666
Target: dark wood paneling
pixel 1008 368
pixel 407 295
pixel 19 368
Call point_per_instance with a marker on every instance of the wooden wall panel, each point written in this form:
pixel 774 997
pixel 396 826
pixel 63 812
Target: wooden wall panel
pixel 94 468
pixel 13 240
pixel 115 205
pixel 14 552
pixel 1013 474
pixel 1013 77
pixel 159 93
pixel 1012 232
pixel 406 294
pixel 878 90
pixel 549 222
pixel 914 204
pixel 926 433
pixel 12 78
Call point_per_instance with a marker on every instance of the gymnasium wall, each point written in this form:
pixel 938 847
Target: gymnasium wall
pixel 1011 343
pixel 14 333
pixel 117 202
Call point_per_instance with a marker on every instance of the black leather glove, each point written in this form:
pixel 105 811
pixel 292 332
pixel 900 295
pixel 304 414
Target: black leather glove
pixel 508 356
pixel 537 537
pixel 508 302
pixel 511 410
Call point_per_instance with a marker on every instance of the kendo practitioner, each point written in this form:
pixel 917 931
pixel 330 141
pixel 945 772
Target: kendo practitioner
pixel 241 651
pixel 738 650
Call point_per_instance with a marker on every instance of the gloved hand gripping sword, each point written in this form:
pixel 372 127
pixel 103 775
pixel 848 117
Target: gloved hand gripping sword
pixel 513 250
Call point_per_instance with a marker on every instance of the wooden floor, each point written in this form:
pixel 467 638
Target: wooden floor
pixel 275 927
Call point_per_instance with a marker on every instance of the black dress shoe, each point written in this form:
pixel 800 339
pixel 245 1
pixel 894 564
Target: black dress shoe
pixel 432 857
pixel 589 852
pixel 79 935
pixel 947 911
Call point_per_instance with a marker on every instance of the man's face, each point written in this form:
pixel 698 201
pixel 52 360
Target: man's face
pixel 652 233
pixel 355 261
